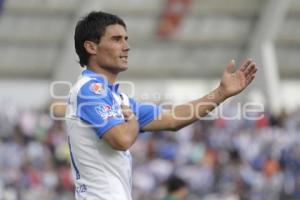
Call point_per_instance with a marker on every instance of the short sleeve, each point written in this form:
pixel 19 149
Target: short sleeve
pixel 145 112
pixel 96 107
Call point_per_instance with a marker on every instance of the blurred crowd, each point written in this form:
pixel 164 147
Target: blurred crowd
pixel 34 158
pixel 218 159
pixel 236 159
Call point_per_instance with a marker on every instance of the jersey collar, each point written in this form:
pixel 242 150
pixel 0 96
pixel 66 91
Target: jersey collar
pixel 101 78
pixel 114 87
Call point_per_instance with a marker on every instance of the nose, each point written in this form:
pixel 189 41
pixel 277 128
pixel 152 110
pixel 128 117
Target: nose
pixel 126 46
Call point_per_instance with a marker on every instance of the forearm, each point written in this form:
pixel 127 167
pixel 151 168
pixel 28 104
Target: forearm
pixel 231 84
pixel 188 113
pixel 123 136
pixel 129 131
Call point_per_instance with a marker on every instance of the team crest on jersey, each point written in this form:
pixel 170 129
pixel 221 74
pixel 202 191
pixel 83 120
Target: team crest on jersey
pixel 106 111
pixel 97 88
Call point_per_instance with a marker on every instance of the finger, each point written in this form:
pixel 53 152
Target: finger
pixel 123 106
pixel 231 66
pixel 250 69
pixel 126 111
pixel 253 72
pixel 126 115
pixel 129 116
pixel 245 65
pixel 250 79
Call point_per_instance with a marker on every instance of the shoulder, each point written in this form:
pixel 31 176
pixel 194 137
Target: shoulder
pixel 88 86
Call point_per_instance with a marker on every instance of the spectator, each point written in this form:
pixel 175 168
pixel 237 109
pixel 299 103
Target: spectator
pixel 177 189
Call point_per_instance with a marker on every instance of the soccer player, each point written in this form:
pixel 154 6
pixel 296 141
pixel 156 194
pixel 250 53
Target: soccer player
pixel 103 123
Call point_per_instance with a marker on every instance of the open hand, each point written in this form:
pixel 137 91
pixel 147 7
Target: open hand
pixel 233 82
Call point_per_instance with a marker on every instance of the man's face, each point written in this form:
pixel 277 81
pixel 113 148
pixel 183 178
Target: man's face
pixel 112 50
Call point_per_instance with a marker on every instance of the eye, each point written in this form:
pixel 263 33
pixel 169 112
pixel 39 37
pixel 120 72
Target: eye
pixel 117 38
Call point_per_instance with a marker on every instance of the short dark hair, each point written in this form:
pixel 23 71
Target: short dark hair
pixel 175 183
pixel 91 28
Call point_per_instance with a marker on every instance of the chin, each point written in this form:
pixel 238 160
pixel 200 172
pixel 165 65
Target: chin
pixel 123 68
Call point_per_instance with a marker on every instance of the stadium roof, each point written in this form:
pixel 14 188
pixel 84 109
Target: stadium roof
pixel 36 37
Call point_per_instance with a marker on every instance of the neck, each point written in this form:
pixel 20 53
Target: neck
pixel 111 77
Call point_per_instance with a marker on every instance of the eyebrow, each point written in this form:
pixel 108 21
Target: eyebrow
pixel 119 37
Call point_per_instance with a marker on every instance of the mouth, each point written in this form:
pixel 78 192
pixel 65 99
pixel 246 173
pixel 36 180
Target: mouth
pixel 124 58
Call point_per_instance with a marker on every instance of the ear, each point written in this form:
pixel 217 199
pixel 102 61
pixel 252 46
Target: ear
pixel 90 47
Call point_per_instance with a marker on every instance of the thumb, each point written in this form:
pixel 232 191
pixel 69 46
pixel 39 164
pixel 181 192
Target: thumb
pixel 231 66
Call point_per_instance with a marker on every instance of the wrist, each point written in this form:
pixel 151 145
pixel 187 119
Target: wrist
pixel 220 93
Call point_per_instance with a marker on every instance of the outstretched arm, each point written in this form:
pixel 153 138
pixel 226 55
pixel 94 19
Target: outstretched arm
pixel 232 83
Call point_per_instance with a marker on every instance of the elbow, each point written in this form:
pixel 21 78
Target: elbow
pixel 121 148
pixel 123 144
pixel 174 127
